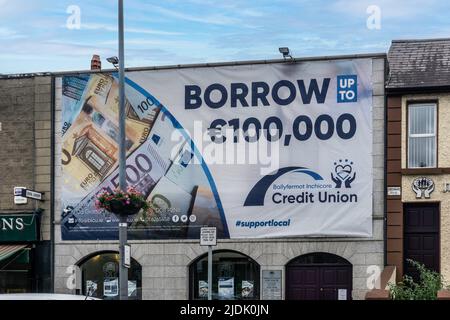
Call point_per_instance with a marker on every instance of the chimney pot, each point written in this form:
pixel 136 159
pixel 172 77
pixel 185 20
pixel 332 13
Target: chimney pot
pixel 96 63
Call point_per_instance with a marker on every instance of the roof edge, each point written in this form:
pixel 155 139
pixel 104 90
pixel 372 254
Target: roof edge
pixel 201 65
pixel 417 89
pixel 419 40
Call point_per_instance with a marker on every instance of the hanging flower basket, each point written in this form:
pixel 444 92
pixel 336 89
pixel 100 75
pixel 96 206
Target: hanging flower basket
pixel 120 208
pixel 122 203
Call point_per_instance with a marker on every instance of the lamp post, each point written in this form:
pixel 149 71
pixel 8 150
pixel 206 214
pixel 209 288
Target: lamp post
pixel 123 270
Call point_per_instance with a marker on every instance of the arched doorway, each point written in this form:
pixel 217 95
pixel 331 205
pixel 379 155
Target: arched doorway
pixel 319 276
pixel 100 276
pixel 235 276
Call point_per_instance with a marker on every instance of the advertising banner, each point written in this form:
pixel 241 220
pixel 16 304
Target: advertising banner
pixel 263 150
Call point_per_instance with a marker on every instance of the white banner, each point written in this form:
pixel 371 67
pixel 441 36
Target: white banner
pixel 277 150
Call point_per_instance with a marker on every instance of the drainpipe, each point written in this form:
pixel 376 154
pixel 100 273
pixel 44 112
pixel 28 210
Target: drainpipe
pixel 52 187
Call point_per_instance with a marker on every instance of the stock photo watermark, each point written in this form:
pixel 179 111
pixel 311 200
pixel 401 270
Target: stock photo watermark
pixel 73 22
pixel 220 146
pixel 374 19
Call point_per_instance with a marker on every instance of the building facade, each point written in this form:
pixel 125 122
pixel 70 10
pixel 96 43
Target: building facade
pixel 26 258
pixel 320 267
pixel 418 160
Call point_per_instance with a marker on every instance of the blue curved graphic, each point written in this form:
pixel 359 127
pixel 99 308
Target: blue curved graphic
pixel 178 126
pixel 256 196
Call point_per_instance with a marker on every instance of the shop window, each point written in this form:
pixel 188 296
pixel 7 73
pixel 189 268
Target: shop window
pixel 422 135
pixel 234 277
pixel 16 273
pixel 100 277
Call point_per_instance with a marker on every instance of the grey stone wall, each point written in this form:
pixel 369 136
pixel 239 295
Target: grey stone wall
pixel 165 264
pixel 25 117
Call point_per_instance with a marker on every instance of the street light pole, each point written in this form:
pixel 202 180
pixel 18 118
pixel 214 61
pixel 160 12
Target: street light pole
pixel 123 271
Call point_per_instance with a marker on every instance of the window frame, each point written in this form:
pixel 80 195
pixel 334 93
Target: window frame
pixel 435 105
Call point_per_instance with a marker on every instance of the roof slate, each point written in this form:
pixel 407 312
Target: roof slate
pixel 419 63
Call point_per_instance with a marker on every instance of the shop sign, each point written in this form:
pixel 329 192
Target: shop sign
pixel 423 187
pixel 18 228
pixel 342 294
pixel 394 191
pixel 271 285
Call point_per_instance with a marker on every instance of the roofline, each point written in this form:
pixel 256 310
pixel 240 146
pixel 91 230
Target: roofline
pixel 420 40
pixel 201 65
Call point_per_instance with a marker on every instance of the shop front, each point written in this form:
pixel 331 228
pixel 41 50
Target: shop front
pixel 100 276
pixel 235 276
pixel 18 236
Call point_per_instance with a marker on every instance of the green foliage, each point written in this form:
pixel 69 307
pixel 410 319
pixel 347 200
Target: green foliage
pixel 429 284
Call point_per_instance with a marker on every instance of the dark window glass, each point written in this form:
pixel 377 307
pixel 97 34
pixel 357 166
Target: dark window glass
pixel 319 258
pixel 100 276
pixel 16 273
pixel 234 277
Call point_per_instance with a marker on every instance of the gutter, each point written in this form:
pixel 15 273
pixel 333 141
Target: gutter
pixel 417 90
pixel 385 180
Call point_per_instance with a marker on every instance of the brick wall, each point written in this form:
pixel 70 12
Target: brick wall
pixel 394 179
pixel 25 116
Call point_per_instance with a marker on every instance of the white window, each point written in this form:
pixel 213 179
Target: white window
pixel 422 135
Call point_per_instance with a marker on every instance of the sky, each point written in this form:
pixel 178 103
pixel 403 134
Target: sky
pixel 50 35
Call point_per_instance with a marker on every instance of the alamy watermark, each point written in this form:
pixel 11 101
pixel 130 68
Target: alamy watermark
pixel 374 19
pixel 74 19
pixel 228 146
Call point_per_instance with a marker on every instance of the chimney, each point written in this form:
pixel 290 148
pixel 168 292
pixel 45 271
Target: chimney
pixel 96 63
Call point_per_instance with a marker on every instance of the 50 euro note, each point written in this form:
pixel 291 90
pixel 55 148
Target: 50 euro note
pixel 181 202
pixel 90 145
pixel 102 105
pixel 73 88
pixel 82 90
pixel 144 168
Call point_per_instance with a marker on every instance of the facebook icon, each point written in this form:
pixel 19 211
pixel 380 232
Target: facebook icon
pixel 347 88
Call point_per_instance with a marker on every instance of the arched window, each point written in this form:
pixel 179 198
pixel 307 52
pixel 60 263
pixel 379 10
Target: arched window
pixel 100 277
pixel 235 276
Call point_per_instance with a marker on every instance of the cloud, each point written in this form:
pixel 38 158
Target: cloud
pixel 113 28
pixel 9 34
pixel 237 7
pixel 17 7
pixel 389 9
pixel 214 19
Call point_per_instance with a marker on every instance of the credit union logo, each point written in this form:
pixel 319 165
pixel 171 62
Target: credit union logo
pixel 257 194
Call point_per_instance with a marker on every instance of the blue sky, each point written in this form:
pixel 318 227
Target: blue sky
pixel 34 35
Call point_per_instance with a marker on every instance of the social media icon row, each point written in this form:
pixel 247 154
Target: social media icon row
pixel 184 218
